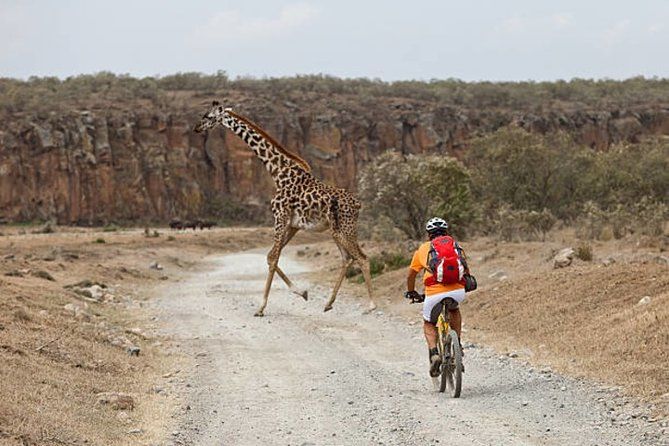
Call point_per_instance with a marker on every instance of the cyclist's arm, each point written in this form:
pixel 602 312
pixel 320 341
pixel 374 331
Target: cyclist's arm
pixel 411 280
pixel 414 269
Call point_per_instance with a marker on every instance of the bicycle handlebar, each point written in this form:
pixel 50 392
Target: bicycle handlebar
pixel 415 299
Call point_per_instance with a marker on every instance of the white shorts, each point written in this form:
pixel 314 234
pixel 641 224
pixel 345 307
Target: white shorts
pixel 430 301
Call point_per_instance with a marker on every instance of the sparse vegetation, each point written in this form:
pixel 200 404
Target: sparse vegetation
pixel 584 252
pixel 383 262
pixel 99 240
pixel 46 229
pixel 518 185
pixel 519 225
pixel 514 183
pixel 32 94
pixel 151 234
pixel 232 211
pixel 404 190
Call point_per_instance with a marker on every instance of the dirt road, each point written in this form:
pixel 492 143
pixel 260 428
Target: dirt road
pixel 303 377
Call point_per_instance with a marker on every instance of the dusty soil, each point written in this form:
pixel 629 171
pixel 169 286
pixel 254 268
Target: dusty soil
pixel 303 377
pixel 210 373
pixel 59 349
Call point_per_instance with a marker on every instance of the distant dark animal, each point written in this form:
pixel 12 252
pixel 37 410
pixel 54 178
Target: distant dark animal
pixel 207 224
pixel 191 224
pixel 176 224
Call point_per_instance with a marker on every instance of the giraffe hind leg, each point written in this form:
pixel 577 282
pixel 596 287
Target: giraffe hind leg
pixel 350 248
pixel 363 261
pixel 345 264
pixel 364 266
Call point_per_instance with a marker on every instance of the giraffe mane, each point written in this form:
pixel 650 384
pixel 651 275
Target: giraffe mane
pixel 300 161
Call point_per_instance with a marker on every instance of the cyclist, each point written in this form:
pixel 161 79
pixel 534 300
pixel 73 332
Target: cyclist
pixel 435 291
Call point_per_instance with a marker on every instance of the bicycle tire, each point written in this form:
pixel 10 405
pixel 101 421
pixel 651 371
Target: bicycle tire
pixel 444 376
pixel 456 373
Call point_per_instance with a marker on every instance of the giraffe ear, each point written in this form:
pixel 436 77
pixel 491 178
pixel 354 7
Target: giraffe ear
pixel 215 103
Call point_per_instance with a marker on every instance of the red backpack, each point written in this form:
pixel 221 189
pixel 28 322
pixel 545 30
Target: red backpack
pixel 444 262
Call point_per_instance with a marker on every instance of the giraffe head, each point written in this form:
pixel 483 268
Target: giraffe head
pixel 212 118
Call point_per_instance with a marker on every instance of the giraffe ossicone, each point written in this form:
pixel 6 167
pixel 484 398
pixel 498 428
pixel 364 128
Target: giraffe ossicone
pixel 301 202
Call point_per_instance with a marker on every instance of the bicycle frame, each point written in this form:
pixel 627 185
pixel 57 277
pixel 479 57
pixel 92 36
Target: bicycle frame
pixel 443 322
pixel 451 367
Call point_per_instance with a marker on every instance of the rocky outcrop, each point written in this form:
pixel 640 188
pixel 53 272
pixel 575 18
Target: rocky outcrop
pixel 100 165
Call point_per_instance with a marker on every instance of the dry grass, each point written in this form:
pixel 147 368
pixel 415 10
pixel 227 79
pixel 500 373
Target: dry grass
pixel 53 363
pixel 585 321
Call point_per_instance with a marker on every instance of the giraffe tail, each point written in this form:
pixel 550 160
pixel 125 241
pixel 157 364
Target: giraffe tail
pixel 334 212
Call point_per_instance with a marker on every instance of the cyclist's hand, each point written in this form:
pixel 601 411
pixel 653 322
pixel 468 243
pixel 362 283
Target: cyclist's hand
pixel 414 296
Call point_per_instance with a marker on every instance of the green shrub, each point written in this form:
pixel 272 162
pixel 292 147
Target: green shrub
pixel 405 191
pixel 584 252
pixel 646 217
pixel 99 240
pixel 396 260
pixel 520 225
pixel 229 210
pixel 376 265
pixel 379 264
pixel 520 169
pixel 514 171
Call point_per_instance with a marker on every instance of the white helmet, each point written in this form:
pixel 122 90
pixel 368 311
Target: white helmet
pixel 435 224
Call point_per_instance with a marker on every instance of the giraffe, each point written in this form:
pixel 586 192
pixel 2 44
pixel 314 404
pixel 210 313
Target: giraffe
pixel 301 202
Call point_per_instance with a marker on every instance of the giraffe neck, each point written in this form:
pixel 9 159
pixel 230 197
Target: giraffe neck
pixel 277 160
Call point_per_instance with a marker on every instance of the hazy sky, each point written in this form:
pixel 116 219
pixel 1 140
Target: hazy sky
pixel 391 40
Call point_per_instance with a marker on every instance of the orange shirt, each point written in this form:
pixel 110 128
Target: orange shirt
pixel 419 261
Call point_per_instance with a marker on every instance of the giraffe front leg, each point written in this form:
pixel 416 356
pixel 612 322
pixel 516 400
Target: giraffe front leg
pixel 293 288
pixel 268 284
pixel 290 233
pixel 273 263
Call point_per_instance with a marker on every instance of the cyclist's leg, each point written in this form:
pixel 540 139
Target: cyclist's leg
pixel 431 309
pixel 455 320
pixel 430 331
pixel 434 358
pixel 453 306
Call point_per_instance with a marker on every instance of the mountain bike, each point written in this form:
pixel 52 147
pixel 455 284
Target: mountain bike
pixel 450 350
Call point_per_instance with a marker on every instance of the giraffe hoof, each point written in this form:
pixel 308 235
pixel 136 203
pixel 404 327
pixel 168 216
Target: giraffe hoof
pixel 327 308
pixel 369 309
pixel 259 314
pixel 304 294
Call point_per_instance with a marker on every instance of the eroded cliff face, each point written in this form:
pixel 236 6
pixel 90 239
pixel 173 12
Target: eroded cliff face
pixel 100 165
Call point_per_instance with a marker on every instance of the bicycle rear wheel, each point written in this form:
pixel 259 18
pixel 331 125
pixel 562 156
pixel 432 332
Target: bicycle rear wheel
pixel 445 376
pixel 455 364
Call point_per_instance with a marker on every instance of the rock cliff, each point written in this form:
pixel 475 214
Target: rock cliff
pixel 99 164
